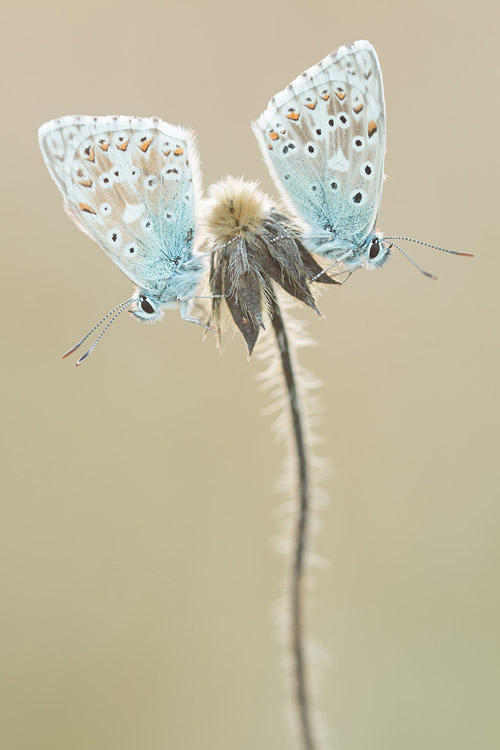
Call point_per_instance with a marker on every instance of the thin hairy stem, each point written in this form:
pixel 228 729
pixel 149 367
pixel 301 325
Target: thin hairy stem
pixel 296 624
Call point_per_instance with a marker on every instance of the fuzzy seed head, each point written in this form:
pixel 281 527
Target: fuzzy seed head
pixel 235 207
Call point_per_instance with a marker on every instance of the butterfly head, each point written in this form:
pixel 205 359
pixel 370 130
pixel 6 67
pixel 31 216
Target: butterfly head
pixel 147 309
pixel 375 251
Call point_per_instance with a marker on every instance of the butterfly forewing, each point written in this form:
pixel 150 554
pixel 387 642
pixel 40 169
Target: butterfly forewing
pixel 131 184
pixel 323 138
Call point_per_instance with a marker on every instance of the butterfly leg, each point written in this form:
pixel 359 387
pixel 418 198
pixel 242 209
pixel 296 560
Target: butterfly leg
pixel 341 273
pixel 335 262
pixel 201 296
pixel 190 319
pixel 217 249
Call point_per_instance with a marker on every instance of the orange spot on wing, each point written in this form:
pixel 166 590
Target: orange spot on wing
pixel 312 105
pixel 270 146
pixel 293 116
pixel 325 96
pixel 273 136
pixel 340 95
pixel 372 128
pixel 358 108
pixel 89 153
pixel 166 153
pixel 104 146
pixel 88 209
pixel 86 183
pixel 123 146
pixel 178 151
pixel 145 144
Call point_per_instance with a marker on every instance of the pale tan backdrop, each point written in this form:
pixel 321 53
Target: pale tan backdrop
pixel 137 577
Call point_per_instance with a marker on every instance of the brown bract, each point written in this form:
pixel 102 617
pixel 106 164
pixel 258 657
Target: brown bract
pixel 254 248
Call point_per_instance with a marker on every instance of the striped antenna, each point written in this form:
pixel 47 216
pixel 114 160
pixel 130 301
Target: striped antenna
pixel 116 311
pixel 428 244
pixel 426 273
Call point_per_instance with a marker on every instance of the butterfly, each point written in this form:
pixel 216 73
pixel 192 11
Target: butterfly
pixel 323 139
pixel 133 185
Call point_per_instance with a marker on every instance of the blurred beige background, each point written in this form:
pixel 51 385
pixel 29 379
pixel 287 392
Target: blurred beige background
pixel 137 577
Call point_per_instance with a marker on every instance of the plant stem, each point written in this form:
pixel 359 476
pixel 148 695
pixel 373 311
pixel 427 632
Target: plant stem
pixel 301 691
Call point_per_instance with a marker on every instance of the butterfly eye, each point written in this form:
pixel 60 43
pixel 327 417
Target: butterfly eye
pixel 374 249
pixel 146 306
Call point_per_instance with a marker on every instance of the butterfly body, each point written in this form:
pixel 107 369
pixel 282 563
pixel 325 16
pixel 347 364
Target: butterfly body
pixel 323 138
pixel 132 184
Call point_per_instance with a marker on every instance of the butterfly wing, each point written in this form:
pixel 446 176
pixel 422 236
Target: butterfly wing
pixel 323 138
pixel 130 183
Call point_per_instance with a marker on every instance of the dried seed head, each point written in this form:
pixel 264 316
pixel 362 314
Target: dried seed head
pixel 234 207
pixel 253 248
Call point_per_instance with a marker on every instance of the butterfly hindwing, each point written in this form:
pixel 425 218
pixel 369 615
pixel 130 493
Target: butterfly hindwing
pixel 132 184
pixel 323 138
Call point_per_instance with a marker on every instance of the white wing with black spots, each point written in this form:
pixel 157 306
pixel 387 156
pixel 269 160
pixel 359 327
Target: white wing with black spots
pixel 323 138
pixel 133 185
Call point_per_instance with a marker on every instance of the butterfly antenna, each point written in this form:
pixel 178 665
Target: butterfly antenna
pixel 89 351
pixel 119 307
pixel 426 273
pixel 427 244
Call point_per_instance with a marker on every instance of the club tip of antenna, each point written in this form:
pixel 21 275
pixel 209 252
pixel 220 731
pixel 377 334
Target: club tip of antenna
pixel 84 356
pixel 426 273
pixel 466 255
pixel 70 351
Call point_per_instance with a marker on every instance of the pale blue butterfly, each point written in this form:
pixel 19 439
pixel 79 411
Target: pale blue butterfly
pixel 323 138
pixel 133 185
